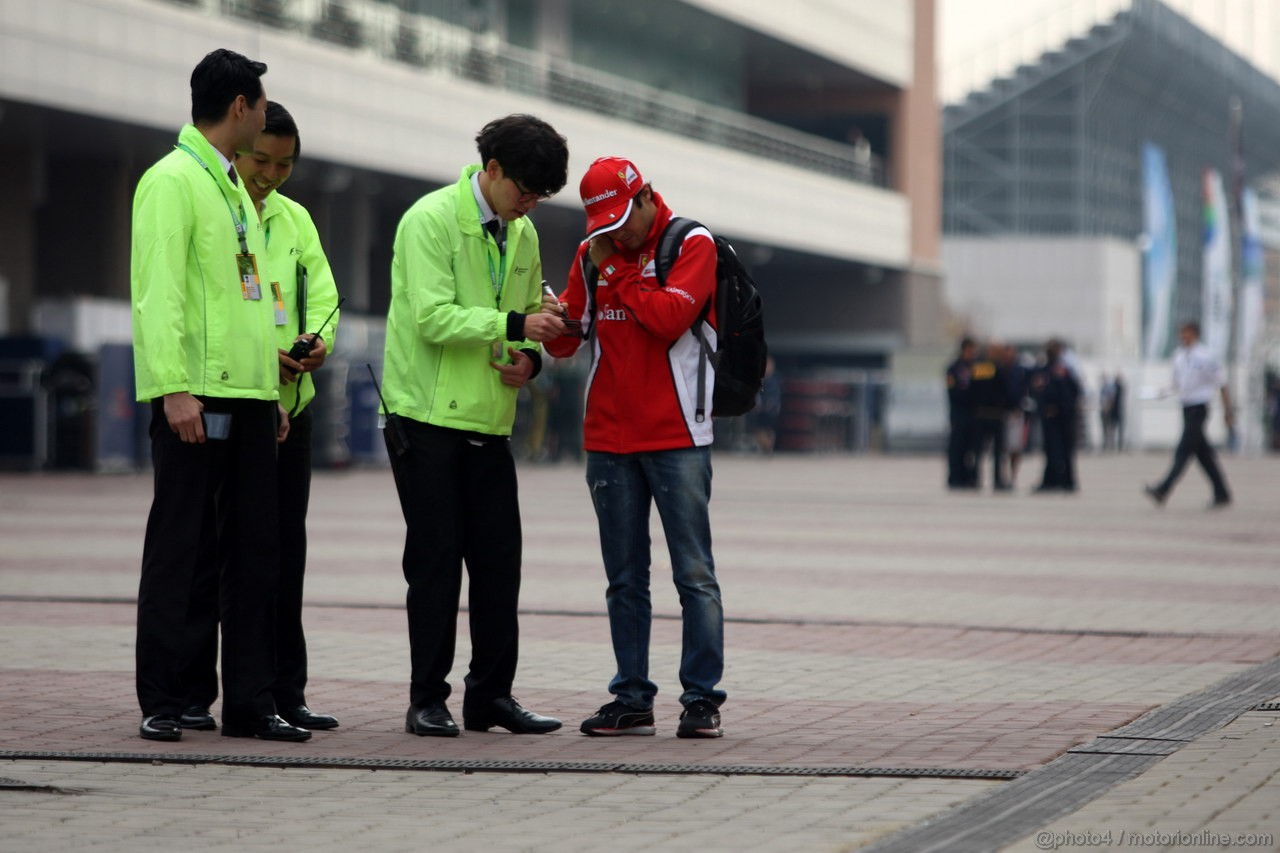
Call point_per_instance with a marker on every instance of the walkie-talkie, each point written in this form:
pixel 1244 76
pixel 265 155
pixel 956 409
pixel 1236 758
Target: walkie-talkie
pixel 397 438
pixel 302 348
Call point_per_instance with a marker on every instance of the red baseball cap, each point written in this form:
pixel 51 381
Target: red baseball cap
pixel 607 189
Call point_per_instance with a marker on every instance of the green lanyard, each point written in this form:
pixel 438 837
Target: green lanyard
pixel 498 277
pixel 240 222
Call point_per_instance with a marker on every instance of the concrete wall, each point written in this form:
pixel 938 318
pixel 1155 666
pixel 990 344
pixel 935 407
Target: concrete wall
pixel 131 60
pixel 874 38
pixel 1086 290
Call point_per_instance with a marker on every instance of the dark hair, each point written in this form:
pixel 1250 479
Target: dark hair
pixel 280 123
pixel 219 79
pixel 1192 325
pixel 529 151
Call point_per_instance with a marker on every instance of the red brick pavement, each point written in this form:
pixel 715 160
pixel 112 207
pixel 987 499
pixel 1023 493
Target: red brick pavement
pixel 784 530
pixel 83 713
pixel 95 712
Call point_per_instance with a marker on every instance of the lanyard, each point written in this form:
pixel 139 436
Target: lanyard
pixel 498 277
pixel 240 222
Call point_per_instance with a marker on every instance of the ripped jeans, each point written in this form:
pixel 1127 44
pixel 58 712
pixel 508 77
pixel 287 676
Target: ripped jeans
pixel 623 486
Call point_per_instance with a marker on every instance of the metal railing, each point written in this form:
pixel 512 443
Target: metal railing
pixel 433 45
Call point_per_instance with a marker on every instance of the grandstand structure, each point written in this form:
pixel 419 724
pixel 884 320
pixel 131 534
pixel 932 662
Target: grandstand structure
pixel 1054 151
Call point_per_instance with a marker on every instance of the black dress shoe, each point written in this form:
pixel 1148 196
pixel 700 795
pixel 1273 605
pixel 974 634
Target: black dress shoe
pixel 161 727
pixel 266 727
pixel 432 720
pixel 198 717
pixel 305 718
pixel 506 713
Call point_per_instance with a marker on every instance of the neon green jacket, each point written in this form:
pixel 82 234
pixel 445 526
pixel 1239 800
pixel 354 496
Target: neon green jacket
pixel 292 239
pixel 192 328
pixel 444 321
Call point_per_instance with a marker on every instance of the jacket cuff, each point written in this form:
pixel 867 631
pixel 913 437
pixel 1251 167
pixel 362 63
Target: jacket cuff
pixel 536 358
pixel 515 326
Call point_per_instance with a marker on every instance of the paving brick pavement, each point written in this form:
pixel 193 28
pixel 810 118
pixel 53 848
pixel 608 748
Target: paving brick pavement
pixel 1221 792
pixel 878 621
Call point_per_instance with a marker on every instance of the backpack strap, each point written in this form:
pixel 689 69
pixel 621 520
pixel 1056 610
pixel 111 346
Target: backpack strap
pixel 668 251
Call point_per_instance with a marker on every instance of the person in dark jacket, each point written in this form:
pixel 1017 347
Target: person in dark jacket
pixel 1057 394
pixel 961 470
pixel 990 402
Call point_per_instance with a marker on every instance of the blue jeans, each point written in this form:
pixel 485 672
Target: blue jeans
pixel 622 488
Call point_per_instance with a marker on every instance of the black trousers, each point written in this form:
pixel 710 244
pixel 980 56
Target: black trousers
pixel 214 498
pixel 990 431
pixel 1059 434
pixel 1194 443
pixel 459 498
pixel 962 470
pixel 293 487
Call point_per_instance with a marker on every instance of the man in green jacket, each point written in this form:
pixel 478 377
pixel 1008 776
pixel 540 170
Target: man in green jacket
pixel 305 300
pixel 205 357
pixel 463 329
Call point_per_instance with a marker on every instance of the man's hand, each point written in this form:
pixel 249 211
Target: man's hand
pixel 282 428
pixel 183 411
pixel 542 327
pixel 600 248
pixel 518 371
pixel 291 370
pixel 552 305
pixel 319 352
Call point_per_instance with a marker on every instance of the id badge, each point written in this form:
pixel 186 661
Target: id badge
pixel 281 319
pixel 496 352
pixel 250 285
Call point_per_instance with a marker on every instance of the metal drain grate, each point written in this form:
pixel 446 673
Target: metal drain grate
pixel 521 766
pixel 1002 816
pixel 20 785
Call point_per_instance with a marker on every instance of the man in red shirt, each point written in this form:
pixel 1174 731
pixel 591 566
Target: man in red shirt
pixel 645 442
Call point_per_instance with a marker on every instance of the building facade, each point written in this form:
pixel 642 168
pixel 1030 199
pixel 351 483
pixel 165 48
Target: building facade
pixel 815 148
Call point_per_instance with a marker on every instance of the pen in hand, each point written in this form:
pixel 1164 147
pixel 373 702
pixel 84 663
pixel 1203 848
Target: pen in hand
pixel 573 328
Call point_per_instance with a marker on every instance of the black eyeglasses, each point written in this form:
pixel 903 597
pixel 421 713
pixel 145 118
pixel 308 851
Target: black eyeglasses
pixel 528 195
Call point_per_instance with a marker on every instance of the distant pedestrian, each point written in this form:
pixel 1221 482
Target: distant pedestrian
pixel 1057 394
pixel 990 402
pixel 764 418
pixel 1197 377
pixel 1110 411
pixel 1016 385
pixel 961 471
pixel 1117 411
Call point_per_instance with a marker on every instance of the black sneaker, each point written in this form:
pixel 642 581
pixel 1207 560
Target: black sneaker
pixel 1156 494
pixel 618 719
pixel 701 718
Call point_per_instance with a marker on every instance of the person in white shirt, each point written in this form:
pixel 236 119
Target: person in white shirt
pixel 1197 377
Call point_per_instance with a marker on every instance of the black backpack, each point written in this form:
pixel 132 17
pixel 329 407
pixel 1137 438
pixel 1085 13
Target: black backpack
pixel 739 357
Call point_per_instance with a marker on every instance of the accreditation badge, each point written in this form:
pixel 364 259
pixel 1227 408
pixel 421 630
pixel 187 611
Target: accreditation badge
pixel 250 284
pixel 281 317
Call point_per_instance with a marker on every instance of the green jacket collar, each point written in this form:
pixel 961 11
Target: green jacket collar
pixel 193 139
pixel 468 210
pixel 271 206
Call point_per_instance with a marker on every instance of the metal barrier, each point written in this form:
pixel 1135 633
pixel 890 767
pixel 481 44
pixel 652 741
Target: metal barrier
pixel 24 412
